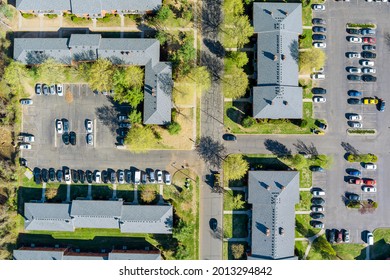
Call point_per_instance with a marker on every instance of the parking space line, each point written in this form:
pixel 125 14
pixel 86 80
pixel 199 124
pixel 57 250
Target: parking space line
pixel 94 133
pixel 55 135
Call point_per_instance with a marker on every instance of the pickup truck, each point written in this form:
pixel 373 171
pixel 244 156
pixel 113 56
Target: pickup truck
pixel 27 139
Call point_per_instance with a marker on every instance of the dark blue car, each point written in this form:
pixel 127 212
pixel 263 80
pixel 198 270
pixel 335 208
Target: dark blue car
pixel 355 93
pixel 354 172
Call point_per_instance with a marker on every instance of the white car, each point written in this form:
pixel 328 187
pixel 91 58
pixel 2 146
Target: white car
pixel 368 63
pixel 356 125
pixel 59 127
pixel 353 55
pixel 29 138
pixel 318 193
pixel 354 39
pixel 354 70
pixel 355 117
pixel 317 208
pixel 319 99
pixel 319 45
pixel 369 70
pixel 89 126
pixel 370 165
pixel 98 177
pixel 369 189
pixel 370 238
pixel 25 146
pixel 318 7
pixel 67 176
pixel 167 178
pixel 317 76
pixel 60 89
pixel 159 177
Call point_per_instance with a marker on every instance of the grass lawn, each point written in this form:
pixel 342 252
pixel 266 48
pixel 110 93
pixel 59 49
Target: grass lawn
pixel 126 192
pixel 227 250
pixel 304 202
pixel 306 177
pixel 381 248
pixel 235 226
pixel 350 251
pixel 300 248
pixel 109 20
pixel 236 111
pixel 305 40
pixel 153 187
pixel 228 200
pixel 306 14
pixel 303 227
pixel 183 93
pixel 307 85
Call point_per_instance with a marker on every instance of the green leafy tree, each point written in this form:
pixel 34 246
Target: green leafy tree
pixel 237 251
pixel 51 72
pixel 174 128
pixel 311 58
pixel 237 32
pixel 135 117
pixel 240 59
pixel 235 167
pixel 201 77
pixel 140 139
pixel 248 122
pixel 162 37
pixel 238 202
pixel 322 246
pixel 14 75
pixel 235 82
pixel 298 161
pixel 184 58
pixel 164 14
pixel 100 75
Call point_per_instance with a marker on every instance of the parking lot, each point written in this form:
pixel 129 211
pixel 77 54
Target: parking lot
pixel 336 111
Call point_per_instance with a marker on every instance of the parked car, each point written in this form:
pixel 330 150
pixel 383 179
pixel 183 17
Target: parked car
pixel 52 174
pixel 354 70
pixel 81 176
pixel 137 177
pixel 317 76
pixel 37 173
pixel 332 235
pixel 105 176
pixel 60 175
pixel 355 93
pixel 367 31
pixel 123 132
pixel 128 176
pixel 353 197
pixel 368 48
pixel 167 178
pixel 38 89
pixel 318 37
pixel 318 192
pixel 353 31
pixel 369 189
pixel 317 168
pixel 367 54
pixel 122 118
pixel 152 177
pixel 370 238
pixel 356 181
pixel 90 139
pixel 346 238
pixel 144 178
pixel 67 176
pixel 369 40
pixel 121 177
pixel 369 70
pixel 352 77
pixel 159 177
pixel 353 55
pixel 354 101
pixel 89 125
pixel 319 29
pixel 45 89
pixel 321 125
pixel 317 201
pixel 355 124
pixel 75 176
pixel 45 175
pixel 369 165
pixel 124 125
pixel 318 21
pixel 317 208
pixel 318 90
pixel 354 172
pixel 26 102
pixel 229 137
pixel 65 124
pixel 367 63
pixel 112 177
pixel 316 224
pixel 319 45
pixel 98 177
pixel 25 146
pixel 318 7
pixel 354 117
pixel 59 126
pixel 382 105
pixel 89 176
pixel 60 89
pixel 367 181
pixel 72 138
pixel 319 99
pixel 52 89
pixel 354 39
pixel 65 138
pixel 28 138
pixel 370 101
pixel 317 215
pixel 339 236
pixel 369 78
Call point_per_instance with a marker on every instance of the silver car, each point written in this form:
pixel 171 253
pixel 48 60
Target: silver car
pixel 89 139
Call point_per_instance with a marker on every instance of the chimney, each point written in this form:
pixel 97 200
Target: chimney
pixel 267 232
pixel 283 57
pixel 153 92
pixel 275 57
pixel 283 188
pixel 285 102
pixel 281 231
pixel 271 103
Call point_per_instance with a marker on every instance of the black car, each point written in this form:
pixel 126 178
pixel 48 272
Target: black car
pixel 65 138
pixel 318 91
pixel 81 176
pixel 125 125
pixel 229 137
pixel 123 132
pixel 317 201
pixel 75 176
pixel 45 175
pixel 37 175
pixel 60 175
pixel 369 78
pixel 128 176
pixel 316 224
pixel 318 21
pixel 368 48
pixel 317 215
pixel 52 174
pixel 366 54
pixel 354 78
pixel 319 29
pixel 382 105
pixel 113 177
pixel 353 31
pixel 353 197
pixel 318 37
pixel 89 176
pixel 354 101
pixel 65 124
pixel 120 141
pixel 213 224
pixel 322 125
pixel 104 176
pixel 72 137
pixel 316 169
pixel 45 89
pixel 23 162
pixel 332 235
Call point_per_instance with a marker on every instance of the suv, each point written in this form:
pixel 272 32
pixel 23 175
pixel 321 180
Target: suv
pixel 167 178
pixel 59 127
pixel 382 105
pixel 72 138
pixel 318 21
pixel 98 176
pixel 67 175
pixel 319 29
pixel 65 124
pixel 353 31
pixel 152 177
pixel 318 37
pixel 346 236
pixel 318 91
pixel 353 197
pixel 128 176
pixel 121 177
pixel 112 177
pixel 354 101
pixel 367 54
pixel 355 93
pixel 367 31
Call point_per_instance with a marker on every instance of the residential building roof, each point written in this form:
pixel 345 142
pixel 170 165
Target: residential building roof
pixel 278 26
pixel 277 102
pixel 43 5
pixel 122 51
pixel 273 195
pixel 99 214
pixel 45 253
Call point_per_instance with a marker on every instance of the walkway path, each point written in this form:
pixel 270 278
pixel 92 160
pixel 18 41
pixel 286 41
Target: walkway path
pixel 43 192
pixel 302 212
pixel 114 191
pixel 89 195
pixel 311 239
pixel 368 252
pixel 238 212
pixel 161 201
pixel 68 193
pixel 304 189
pixel 135 201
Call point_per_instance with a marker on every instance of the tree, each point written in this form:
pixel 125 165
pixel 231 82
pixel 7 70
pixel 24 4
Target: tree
pixel 322 246
pixel 14 74
pixel 132 96
pixel 237 251
pixel 311 58
pixel 238 202
pixel 51 72
pixel 298 161
pixel 100 75
pixel 237 32
pixel 200 76
pixel 184 58
pixel 135 117
pixel 234 83
pixel 148 194
pixel 174 128
pixel 128 84
pixel 240 59
pixel 140 139
pixel 248 122
pixel 235 167
pixel 164 14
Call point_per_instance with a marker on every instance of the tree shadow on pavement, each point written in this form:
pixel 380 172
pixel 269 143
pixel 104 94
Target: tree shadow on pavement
pixel 304 149
pixel 214 47
pixel 211 151
pixel 349 148
pixel 277 148
pixel 108 115
pixel 213 64
pixel 211 17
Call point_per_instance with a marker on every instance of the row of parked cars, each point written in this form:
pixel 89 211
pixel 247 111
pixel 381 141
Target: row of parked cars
pixel 317 207
pixel 338 236
pixel 368 184
pixel 26 141
pixel 124 126
pixel 105 176
pixel 319 31
pixel 62 127
pixel 43 89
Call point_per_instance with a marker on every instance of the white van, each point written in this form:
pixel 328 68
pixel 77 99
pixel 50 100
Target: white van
pixel 369 165
pixel 318 76
pixel 370 238
pixel 137 177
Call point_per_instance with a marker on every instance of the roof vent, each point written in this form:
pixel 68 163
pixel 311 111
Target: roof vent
pixel 275 57
pixel 153 92
pixel 283 57
pixel 281 231
pixel 285 102
pixel 267 232
pixel 283 188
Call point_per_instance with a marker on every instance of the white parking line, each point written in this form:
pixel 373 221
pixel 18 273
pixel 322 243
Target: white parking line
pixel 55 135
pixel 94 133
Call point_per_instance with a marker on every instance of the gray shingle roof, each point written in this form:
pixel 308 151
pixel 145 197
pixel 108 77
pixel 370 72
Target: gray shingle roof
pixel 47 216
pixel 81 7
pixel 273 195
pixel 134 256
pixel 277 102
pixel 154 219
pixel 34 254
pixel 277 26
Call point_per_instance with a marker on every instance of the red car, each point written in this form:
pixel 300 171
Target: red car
pixel 369 40
pixel 369 181
pixel 355 181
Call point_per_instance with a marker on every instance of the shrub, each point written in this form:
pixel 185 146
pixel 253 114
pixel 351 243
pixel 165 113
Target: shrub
pixel 174 128
pixel 28 16
pixel 51 16
pixel 248 122
pixel 6 11
pixel 237 251
pixel 303 124
pixel 135 117
pixel 148 194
